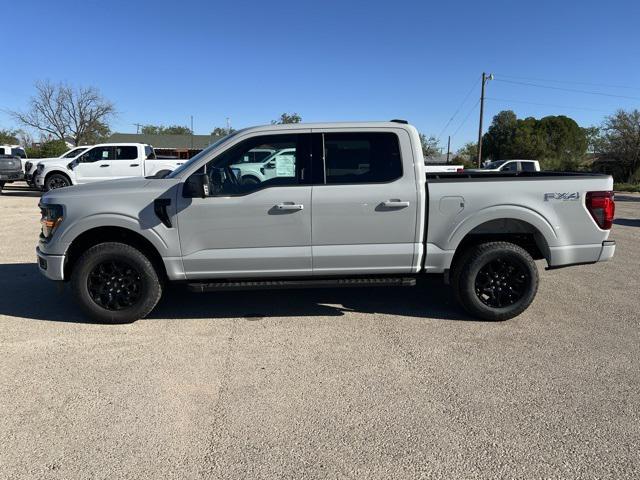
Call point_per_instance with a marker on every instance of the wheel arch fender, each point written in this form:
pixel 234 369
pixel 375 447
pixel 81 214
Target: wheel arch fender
pixel 97 230
pixel 533 219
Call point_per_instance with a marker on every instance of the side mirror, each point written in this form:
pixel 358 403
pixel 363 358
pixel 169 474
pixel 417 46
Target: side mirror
pixel 197 185
pixel 270 165
pixel 72 164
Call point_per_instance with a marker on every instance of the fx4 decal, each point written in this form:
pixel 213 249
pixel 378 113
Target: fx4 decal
pixel 565 196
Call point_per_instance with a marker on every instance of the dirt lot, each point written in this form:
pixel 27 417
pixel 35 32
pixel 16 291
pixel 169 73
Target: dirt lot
pixel 389 383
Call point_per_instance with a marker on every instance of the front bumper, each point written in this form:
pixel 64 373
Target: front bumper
pixel 38 180
pixel 51 266
pixel 11 176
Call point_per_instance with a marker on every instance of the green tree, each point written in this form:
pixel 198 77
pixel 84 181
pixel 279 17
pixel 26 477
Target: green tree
pixel 53 148
pixel 555 140
pixel 162 130
pixel 499 136
pixel 429 145
pixel 8 137
pixel 620 141
pixel 221 132
pixel 287 118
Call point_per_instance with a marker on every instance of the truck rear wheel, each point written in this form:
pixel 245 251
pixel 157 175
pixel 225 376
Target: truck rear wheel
pixel 495 280
pixel 115 283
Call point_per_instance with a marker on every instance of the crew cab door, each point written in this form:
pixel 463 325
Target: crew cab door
pixel 364 209
pixel 250 229
pixel 128 162
pixel 94 165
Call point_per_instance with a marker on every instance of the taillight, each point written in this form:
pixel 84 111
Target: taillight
pixel 602 207
pixel 459 170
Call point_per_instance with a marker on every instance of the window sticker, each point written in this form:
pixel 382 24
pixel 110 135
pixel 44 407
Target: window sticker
pixel 285 166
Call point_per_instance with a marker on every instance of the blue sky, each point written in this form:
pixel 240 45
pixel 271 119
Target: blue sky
pixel 161 62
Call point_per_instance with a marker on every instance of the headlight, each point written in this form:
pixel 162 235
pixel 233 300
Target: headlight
pixel 50 220
pixel 27 166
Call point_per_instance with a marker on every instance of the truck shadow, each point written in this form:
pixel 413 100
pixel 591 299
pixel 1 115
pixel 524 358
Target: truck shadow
pixel 26 294
pixel 11 191
pixel 628 222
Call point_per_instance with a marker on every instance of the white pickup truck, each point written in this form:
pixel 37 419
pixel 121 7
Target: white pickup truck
pixel 31 166
pixel 509 166
pixel 356 208
pixel 106 161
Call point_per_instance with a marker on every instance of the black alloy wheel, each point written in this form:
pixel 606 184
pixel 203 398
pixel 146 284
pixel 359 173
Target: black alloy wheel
pixel 114 285
pixel 502 283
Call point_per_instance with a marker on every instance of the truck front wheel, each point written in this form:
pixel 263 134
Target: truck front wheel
pixel 115 283
pixel 495 280
pixel 56 180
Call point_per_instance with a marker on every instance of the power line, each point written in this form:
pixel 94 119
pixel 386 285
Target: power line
pixel 545 104
pixel 459 107
pixel 466 118
pixel 567 89
pixel 606 85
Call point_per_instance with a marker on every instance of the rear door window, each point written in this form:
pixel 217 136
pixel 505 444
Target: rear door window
pixel 126 152
pixel 527 167
pixel 149 153
pixel 361 157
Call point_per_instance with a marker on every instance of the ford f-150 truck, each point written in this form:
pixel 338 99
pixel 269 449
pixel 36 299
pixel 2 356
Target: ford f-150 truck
pixel 356 208
pixel 10 170
pixel 31 166
pixel 103 162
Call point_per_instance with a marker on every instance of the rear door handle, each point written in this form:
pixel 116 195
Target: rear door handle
pixel 289 206
pixel 395 204
pixel 104 165
pixel 134 165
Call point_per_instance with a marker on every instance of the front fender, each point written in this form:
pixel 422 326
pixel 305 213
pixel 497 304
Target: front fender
pixel 65 237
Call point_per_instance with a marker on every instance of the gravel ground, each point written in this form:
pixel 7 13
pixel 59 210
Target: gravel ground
pixel 356 383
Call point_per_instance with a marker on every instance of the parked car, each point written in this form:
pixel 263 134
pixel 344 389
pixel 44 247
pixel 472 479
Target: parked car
pixel 359 210
pixel 10 170
pixel 509 166
pixel 443 168
pixel 15 151
pixel 278 164
pixel 31 165
pixel 106 161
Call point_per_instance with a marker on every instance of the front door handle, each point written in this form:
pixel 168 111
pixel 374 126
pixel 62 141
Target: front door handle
pixel 134 165
pixel 395 204
pixel 104 165
pixel 289 206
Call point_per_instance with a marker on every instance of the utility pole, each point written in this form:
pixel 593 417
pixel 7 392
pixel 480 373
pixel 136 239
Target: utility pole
pixel 228 125
pixel 191 132
pixel 485 77
pixel 448 148
pixel 138 125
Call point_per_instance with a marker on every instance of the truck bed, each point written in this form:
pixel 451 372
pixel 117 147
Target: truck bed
pixel 547 207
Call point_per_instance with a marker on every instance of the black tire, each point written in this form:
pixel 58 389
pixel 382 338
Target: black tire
pixel 249 180
pixel 1 187
pixel 115 283
pixel 56 180
pixel 495 281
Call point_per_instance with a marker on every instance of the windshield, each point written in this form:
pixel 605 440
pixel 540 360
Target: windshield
pixel 18 152
pixel 494 165
pixel 200 155
pixel 74 152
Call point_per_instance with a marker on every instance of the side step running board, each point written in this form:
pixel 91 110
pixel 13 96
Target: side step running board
pixel 312 283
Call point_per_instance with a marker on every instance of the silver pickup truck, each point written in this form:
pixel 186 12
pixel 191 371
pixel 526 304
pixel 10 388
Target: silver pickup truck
pixel 352 206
